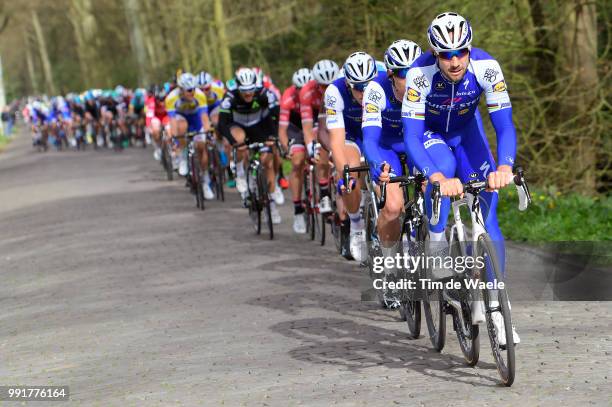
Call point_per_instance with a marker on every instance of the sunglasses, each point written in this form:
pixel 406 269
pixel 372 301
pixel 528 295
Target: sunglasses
pixel 459 53
pixel 400 73
pixel 360 87
pixel 190 90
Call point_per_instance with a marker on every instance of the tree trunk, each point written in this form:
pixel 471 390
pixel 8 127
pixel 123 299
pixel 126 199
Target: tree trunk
pixel 226 56
pixel 44 56
pixel 30 64
pixel 579 57
pixel 544 53
pixel 132 10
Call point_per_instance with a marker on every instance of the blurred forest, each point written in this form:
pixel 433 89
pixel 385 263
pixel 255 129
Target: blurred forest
pixel 555 55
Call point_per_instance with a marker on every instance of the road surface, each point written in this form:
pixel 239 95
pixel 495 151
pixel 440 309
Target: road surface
pixel 115 285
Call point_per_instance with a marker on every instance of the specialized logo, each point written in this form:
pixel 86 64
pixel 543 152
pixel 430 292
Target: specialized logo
pixel 374 96
pixel 421 82
pixel 413 95
pixel 490 75
pixel 371 108
pixel 499 86
pixel 440 85
pixel 466 83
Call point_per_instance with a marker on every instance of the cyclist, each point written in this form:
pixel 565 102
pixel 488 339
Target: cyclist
pixel 383 138
pixel 187 108
pixel 156 117
pixel 290 132
pixel 312 115
pixel 214 91
pixel 250 114
pixel 443 131
pixel 343 99
pixel 265 81
pixel 136 112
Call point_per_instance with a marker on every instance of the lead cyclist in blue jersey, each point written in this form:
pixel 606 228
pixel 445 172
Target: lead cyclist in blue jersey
pixel 443 130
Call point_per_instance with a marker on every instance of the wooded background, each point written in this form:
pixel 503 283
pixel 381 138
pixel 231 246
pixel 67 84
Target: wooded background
pixel 555 55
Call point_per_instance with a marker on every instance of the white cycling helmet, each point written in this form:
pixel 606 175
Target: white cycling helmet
pixel 449 32
pixel 325 71
pixel 360 67
pixel 301 77
pixel 187 81
pixel 204 79
pixel 246 79
pixel 401 54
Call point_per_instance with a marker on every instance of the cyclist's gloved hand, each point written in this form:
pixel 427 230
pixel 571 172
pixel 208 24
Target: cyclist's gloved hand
pixel 340 187
pixel 377 169
pixel 310 147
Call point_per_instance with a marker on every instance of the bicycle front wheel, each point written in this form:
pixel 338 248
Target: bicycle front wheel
pixel 496 302
pixel 253 204
pixel 264 199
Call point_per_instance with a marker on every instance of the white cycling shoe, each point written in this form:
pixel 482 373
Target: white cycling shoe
pixel 183 168
pixel 241 184
pixel 299 223
pixel 478 316
pixel 278 196
pixel 325 205
pixel 358 244
pixel 208 192
pixel 498 321
pixel 157 154
pixel 276 218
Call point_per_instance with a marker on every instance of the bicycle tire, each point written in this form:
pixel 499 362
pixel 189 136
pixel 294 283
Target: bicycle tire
pixel 411 309
pixel 306 202
pixel 505 366
pixel 254 209
pixel 468 334
pixel 314 204
pixel 219 177
pixel 432 301
pixel 197 179
pixel 265 198
pixel 168 162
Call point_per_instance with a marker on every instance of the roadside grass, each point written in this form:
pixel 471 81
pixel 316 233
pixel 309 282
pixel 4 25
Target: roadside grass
pixel 3 141
pixel 554 216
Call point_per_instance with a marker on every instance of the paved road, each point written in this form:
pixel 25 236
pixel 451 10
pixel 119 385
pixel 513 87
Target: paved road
pixel 113 284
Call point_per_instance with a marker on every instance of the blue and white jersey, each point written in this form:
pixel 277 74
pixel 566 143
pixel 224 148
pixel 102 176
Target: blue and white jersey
pixel 433 103
pixel 342 110
pixel 383 111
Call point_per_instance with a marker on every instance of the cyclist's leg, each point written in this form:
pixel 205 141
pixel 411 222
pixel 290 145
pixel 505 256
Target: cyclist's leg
pixel 297 151
pixel 444 159
pixel 475 161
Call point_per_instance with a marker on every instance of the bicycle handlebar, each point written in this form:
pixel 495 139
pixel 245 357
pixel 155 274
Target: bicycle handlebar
pixel 476 187
pixel 348 170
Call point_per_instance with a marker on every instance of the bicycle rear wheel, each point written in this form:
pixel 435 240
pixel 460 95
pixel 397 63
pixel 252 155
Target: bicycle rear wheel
pixel 504 355
pixel 307 202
